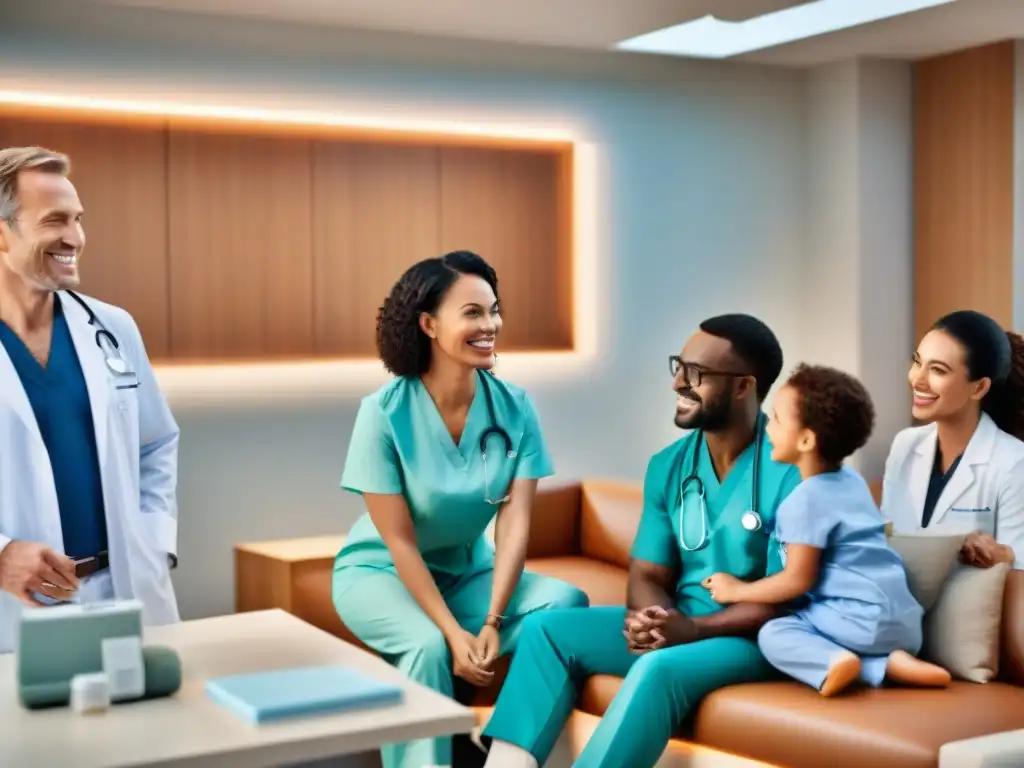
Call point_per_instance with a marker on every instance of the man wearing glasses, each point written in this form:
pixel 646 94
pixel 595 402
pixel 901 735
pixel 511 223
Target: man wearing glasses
pixel 709 506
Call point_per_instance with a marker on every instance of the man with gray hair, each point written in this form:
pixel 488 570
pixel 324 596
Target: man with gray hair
pixel 88 445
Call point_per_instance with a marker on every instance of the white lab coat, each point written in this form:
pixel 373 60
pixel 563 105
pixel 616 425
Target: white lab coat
pixel 137 439
pixel 986 493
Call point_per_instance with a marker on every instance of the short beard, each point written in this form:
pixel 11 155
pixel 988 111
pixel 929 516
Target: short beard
pixel 711 417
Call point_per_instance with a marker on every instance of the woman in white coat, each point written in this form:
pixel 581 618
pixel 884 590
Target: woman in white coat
pixel 963 471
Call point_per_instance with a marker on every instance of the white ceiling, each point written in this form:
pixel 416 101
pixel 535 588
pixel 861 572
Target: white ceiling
pixel 599 24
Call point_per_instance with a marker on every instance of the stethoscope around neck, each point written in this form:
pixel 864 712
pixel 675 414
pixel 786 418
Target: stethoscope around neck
pixel 493 430
pixel 751 519
pixel 105 340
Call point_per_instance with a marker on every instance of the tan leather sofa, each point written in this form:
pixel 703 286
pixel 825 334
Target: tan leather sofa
pixel 582 533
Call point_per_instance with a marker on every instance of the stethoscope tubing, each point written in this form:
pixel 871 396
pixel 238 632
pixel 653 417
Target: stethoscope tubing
pixel 751 519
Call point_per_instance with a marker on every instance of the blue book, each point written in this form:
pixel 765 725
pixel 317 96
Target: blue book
pixel 263 696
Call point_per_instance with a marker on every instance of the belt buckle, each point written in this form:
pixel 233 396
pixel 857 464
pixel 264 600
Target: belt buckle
pixel 87 566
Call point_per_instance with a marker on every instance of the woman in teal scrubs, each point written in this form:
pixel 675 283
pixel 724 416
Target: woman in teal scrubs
pixel 417 579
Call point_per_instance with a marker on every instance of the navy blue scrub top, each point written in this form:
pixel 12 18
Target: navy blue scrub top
pixel 936 484
pixel 60 400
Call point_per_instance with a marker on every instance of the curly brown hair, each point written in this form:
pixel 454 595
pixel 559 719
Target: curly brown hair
pixel 401 344
pixel 836 407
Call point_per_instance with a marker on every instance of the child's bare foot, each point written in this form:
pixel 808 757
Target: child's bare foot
pixel 908 670
pixel 844 669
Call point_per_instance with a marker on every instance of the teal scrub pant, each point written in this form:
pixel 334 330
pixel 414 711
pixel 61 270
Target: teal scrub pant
pixel 558 650
pixel 379 610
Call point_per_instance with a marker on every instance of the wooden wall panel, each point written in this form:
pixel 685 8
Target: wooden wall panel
pixel 376 212
pixel 963 184
pixel 506 205
pixel 234 242
pixel 240 246
pixel 120 173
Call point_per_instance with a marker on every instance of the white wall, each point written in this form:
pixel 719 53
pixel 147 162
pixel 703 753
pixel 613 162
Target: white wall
pixel 858 284
pixel 704 200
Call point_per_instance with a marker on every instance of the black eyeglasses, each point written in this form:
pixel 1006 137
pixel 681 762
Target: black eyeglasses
pixel 692 374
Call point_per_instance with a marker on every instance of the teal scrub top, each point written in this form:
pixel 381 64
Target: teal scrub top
pixel 400 445
pixel 730 548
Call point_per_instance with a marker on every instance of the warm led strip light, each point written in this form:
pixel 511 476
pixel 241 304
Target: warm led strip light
pixel 281 116
pixel 232 382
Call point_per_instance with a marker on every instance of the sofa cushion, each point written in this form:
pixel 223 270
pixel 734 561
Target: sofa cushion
pixel 961 632
pixel 791 724
pixel 605 584
pixel 609 518
pixel 555 521
pixel 597 694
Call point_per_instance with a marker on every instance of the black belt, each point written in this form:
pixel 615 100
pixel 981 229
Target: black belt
pixel 87 566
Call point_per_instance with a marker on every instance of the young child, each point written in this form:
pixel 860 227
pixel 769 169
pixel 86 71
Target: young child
pixel 860 620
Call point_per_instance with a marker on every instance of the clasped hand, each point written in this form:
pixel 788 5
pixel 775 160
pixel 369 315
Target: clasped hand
pixel 473 655
pixel 649 629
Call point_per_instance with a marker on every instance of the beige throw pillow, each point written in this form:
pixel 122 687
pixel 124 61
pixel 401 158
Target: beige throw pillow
pixel 961 632
pixel 928 558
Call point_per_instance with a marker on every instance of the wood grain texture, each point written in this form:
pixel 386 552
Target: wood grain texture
pixel 240 246
pixel 376 211
pixel 234 242
pixel 963 184
pixel 507 206
pixel 120 173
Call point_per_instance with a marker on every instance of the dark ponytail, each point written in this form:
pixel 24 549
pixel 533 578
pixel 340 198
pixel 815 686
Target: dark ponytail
pixel 1005 401
pixel 991 352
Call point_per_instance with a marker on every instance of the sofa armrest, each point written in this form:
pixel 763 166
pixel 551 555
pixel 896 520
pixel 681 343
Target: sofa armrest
pixel 555 522
pixel 1011 666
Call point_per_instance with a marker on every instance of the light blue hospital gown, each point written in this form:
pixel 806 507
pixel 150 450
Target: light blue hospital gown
pixel 862 601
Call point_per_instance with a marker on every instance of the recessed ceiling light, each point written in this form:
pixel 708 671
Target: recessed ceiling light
pixel 711 38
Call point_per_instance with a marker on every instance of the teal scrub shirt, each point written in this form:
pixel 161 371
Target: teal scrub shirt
pixel 729 547
pixel 400 445
pixel 558 649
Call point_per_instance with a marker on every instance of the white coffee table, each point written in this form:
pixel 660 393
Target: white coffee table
pixel 191 730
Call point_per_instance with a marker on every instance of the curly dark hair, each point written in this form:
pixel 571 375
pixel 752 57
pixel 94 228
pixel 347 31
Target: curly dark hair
pixel 401 344
pixel 836 407
pixel 753 342
pixel 991 352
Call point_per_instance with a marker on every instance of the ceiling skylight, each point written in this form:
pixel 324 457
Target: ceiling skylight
pixel 710 38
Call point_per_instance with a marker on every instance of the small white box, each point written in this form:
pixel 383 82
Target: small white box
pixel 90 693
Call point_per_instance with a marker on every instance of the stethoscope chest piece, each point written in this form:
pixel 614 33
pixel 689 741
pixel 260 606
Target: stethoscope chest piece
pixel 117 365
pixel 751 521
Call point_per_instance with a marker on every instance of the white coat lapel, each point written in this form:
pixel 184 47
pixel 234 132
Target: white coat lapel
pixel 978 451
pixel 13 392
pixel 922 461
pixel 90 357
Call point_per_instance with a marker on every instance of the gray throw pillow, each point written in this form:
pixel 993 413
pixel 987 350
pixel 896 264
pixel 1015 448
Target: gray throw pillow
pixel 962 631
pixel 929 558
